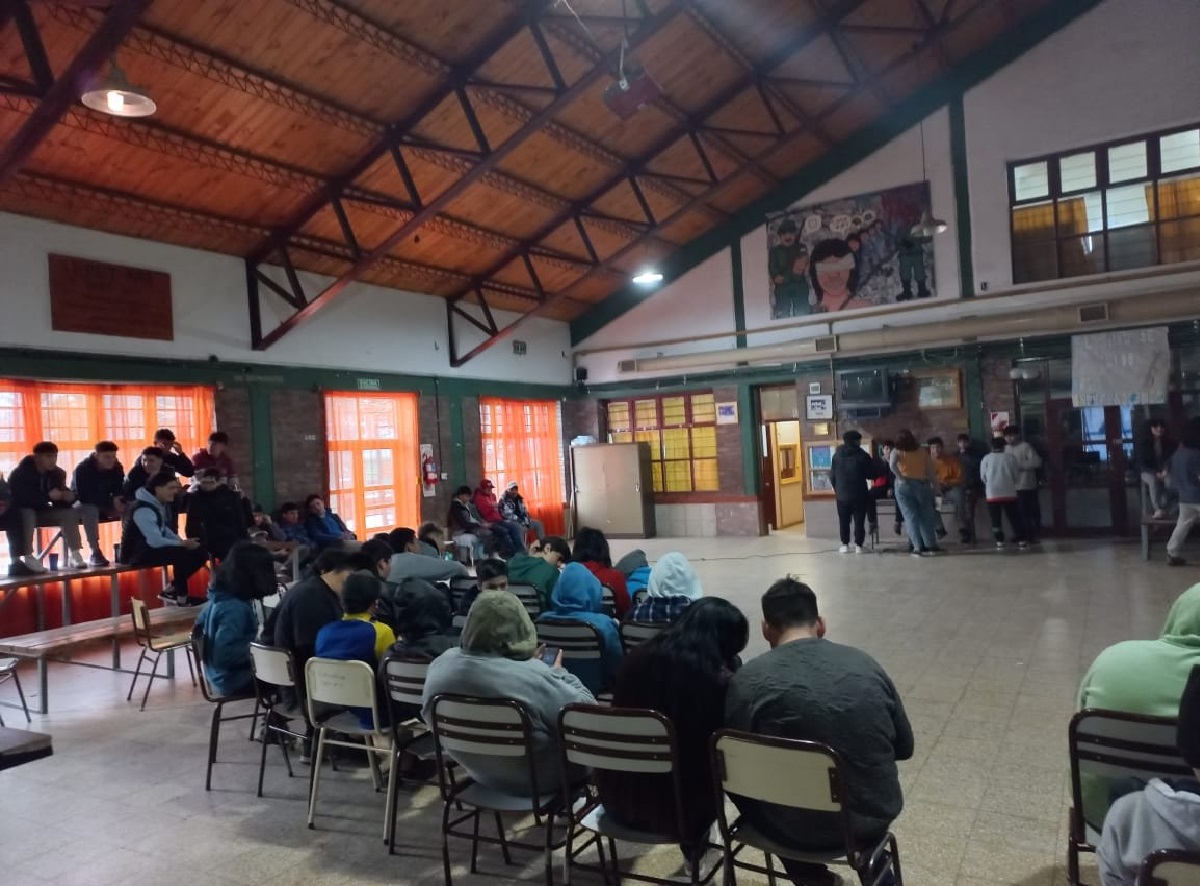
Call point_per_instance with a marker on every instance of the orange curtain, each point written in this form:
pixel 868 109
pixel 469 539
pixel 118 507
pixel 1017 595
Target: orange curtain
pixel 374 461
pixel 522 441
pixel 1179 215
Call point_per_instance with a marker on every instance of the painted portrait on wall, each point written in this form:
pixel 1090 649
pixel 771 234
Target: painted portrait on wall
pixel 858 252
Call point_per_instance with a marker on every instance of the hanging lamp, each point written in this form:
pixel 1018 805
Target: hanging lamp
pixel 113 94
pixel 929 225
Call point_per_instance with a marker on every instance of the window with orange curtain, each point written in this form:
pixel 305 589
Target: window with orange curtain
pixel 374 461
pixel 522 441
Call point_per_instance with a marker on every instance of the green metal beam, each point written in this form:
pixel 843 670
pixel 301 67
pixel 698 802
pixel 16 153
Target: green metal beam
pixel 962 196
pixel 739 291
pixel 865 142
pixel 458 452
pixel 748 423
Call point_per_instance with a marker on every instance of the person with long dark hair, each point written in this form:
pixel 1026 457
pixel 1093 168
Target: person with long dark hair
pixel 591 549
pixel 833 270
pixel 228 622
pixel 915 476
pixel 684 672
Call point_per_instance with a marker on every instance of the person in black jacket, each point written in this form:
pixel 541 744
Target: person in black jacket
pixel 151 463
pixel 41 497
pixel 173 455
pixel 466 526
pixel 850 473
pixel 216 514
pixel 98 485
pixel 1153 452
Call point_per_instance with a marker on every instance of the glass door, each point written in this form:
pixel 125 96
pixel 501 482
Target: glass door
pixel 1090 469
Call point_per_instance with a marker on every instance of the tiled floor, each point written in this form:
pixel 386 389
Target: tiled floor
pixel 987 650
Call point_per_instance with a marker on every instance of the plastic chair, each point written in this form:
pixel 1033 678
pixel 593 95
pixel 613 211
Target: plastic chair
pixel 153 645
pixel 8 671
pixel 1115 745
pixel 275 668
pixel 803 775
pixel 460 586
pixel 635 633
pixel 344 684
pixel 218 701
pixel 404 679
pixel 529 597
pixel 1170 867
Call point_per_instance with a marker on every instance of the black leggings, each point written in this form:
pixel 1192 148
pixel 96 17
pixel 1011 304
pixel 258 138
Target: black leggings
pixel 856 510
pixel 997 510
pixel 184 563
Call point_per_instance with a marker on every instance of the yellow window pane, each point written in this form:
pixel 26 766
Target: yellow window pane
pixel 624 437
pixel 645 414
pixel 674 412
pixel 705 471
pixel 618 416
pixel 650 437
pixel 657 470
pixel 675 444
pixel 704 442
pixel 678 476
pixel 704 409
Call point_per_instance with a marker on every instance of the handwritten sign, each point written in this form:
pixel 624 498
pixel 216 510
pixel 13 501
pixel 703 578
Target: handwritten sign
pixel 105 299
pixel 1123 368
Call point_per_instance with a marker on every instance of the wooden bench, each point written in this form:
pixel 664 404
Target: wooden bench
pixel 19 746
pixel 1148 526
pixel 887 507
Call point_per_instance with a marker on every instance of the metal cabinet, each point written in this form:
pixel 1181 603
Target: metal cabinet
pixel 614 489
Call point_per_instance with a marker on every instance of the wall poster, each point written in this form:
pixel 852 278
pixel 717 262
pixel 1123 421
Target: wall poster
pixel 858 252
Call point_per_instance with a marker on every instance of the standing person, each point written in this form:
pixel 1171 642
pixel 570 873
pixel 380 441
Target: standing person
pixel 41 497
pixel 970 460
pixel 323 525
pixel 809 688
pixel 914 493
pixel 1028 462
pixel 540 570
pixel 228 621
pixel 577 597
pixel 1000 474
pixel 883 486
pixel 467 528
pixel 850 473
pixel 215 514
pixel 216 457
pixel 173 455
pixel 591 549
pixel 949 473
pixel 98 484
pixel 147 538
pixel 1184 471
pixel 1154 454
pixel 513 509
pixel 508 534
pixel 671 589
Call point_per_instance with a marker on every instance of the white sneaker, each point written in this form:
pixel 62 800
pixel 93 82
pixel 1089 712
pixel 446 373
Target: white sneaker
pixel 75 560
pixel 844 549
pixel 858 549
pixel 1160 514
pixel 33 564
pixel 999 546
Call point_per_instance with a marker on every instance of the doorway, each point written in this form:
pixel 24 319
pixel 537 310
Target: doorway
pixel 1091 480
pixel 783 473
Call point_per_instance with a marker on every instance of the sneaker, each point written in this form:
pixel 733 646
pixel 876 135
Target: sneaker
pixel 858 549
pixel 171 596
pixel 98 560
pixel 33 564
pixel 935 552
pixel 1175 561
pixel 75 560
pixel 192 601
pixel 18 569
pixel 999 546
pixel 1160 514
pixel 914 553
pixel 844 549
pixel 1022 546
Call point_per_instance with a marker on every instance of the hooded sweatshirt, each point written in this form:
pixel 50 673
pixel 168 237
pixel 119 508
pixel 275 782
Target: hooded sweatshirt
pixel 525 569
pixel 229 628
pixel 1142 677
pixel 577 597
pixel 423 621
pixel 851 470
pixel 148 526
pixel 673 587
pixel 636 570
pixel 1161 816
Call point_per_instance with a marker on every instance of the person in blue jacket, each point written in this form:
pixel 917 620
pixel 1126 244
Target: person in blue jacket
pixel 577 596
pixel 323 525
pixel 227 620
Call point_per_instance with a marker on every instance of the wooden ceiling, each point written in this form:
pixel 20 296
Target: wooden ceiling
pixel 463 148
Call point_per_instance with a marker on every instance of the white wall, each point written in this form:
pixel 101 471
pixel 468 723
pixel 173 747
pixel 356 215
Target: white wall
pixel 367 328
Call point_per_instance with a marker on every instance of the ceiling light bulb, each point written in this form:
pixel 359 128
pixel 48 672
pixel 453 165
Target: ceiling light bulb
pixel 648 276
pixel 115 100
pixel 113 94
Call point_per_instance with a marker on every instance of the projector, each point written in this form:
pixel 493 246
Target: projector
pixel 630 94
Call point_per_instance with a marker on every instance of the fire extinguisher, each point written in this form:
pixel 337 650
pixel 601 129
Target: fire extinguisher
pixel 429 469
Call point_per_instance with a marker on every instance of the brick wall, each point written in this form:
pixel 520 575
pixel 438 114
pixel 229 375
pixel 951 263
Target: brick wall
pixel 998 393
pixel 433 420
pixel 232 406
pixel 298 444
pixel 729 447
pixel 471 443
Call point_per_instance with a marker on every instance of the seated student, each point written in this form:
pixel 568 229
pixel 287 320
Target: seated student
pixel 809 688
pixel 467 528
pixel 433 540
pixel 508 535
pixel 41 497
pixel 949 473
pixel 591 549
pixel 293 527
pixel 1142 677
pixel 499 658
pixel 150 463
pixel 513 510
pixel 216 457
pixel 215 513
pixel 636 569
pixel 577 597
pixel 540 569
pixel 409 562
pixel 97 483
pixel 172 453
pixel 673 587
pixel 228 621
pixel 684 672
pixel 490 575
pixel 424 621
pixel 357 636
pixel 1164 814
pixel 323 525
pixel 147 538
pixel 262 526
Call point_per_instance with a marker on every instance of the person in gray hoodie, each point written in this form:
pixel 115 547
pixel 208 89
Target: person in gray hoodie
pixel 1028 461
pixel 408 561
pixel 1164 815
pixel 148 540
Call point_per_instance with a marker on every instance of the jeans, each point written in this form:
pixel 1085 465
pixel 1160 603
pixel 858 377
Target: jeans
pixel 997 510
pixel 956 495
pixel 1154 490
pixel 1188 515
pixel 1031 512
pixel 537 528
pixel 914 498
pixel 856 509
pixel 184 563
pixel 509 535
pixel 92 516
pixel 27 520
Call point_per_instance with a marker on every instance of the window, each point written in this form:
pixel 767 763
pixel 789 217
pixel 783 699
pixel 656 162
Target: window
pixel 374 461
pixel 1115 207
pixel 682 433
pixel 522 440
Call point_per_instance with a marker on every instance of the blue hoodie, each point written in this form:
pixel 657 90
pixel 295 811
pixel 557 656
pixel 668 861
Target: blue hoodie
pixel 577 597
pixel 229 628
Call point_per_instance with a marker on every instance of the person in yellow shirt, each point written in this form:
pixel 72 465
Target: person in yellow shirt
pixel 358 637
pixel 949 473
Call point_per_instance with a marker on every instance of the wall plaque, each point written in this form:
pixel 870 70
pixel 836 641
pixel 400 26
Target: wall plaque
pixel 105 299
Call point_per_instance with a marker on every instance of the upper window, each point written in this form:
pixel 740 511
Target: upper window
pixel 682 433
pixel 1114 207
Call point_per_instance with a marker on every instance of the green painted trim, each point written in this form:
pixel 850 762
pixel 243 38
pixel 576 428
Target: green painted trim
pixel 262 446
pixel 748 422
pixel 458 452
pixel 866 141
pixel 977 418
pixel 962 195
pixel 739 291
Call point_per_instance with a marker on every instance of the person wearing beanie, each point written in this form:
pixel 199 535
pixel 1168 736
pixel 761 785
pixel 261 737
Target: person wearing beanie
pixel 513 510
pixel 851 472
pixel 1163 815
pixel 673 587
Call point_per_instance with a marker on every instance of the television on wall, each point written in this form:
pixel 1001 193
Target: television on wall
pixel 864 389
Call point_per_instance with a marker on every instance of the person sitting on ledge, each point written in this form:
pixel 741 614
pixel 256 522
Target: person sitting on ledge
pixel 323 525
pixel 409 562
pixel 216 457
pixel 98 485
pixel 172 453
pixel 148 540
pixel 41 497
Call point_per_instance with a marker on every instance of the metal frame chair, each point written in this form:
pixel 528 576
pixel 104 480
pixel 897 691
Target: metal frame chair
pixel 578 640
pixel 495 727
pixel 804 775
pixel 344 684
pixel 1170 867
pixel 275 667
pixel 608 601
pixel 8 671
pixel 143 633
pixel 635 633
pixel 404 679
pixel 1111 745
pixel 529 597
pixel 640 596
pixel 632 740
pixel 460 586
pixel 218 701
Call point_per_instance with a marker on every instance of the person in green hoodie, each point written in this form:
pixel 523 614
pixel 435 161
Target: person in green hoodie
pixel 1141 677
pixel 540 570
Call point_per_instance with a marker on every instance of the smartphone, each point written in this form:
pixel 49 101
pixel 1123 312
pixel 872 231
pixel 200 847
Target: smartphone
pixel 550 655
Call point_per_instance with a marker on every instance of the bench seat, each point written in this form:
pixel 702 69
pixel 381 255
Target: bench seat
pixel 41 644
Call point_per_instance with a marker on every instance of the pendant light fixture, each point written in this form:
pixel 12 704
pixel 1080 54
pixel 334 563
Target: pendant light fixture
pixel 113 94
pixel 929 225
pixel 648 277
